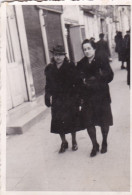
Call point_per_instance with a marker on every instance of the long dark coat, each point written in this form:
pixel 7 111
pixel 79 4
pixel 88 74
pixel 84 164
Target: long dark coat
pixel 121 49
pixel 102 48
pixel 60 86
pixel 127 47
pixel 93 89
pixel 116 41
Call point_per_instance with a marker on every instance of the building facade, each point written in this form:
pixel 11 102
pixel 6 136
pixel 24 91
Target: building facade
pixel 33 30
pixel 122 18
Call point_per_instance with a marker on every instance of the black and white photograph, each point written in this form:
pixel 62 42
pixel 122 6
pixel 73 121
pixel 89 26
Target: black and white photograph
pixel 68 97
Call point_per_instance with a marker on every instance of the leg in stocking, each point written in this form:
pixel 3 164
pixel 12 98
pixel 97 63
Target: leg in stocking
pixel 105 130
pixel 122 66
pixel 92 134
pixel 74 142
pixel 64 144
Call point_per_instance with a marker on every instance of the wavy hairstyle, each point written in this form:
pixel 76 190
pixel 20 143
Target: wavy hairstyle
pixel 92 43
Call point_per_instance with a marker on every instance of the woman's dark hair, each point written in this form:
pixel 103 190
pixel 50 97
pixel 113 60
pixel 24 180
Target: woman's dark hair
pixel 92 43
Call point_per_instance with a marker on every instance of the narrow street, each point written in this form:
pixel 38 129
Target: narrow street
pixel 34 164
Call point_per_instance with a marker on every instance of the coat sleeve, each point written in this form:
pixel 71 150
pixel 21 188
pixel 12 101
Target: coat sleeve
pixel 105 71
pixel 108 49
pixel 79 85
pixel 47 87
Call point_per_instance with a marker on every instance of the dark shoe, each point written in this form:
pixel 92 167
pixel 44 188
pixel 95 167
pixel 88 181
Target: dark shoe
pixel 74 146
pixel 104 148
pixel 63 148
pixel 123 67
pixel 94 150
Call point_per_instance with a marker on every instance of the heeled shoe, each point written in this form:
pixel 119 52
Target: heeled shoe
pixel 74 146
pixel 63 147
pixel 123 67
pixel 104 148
pixel 94 150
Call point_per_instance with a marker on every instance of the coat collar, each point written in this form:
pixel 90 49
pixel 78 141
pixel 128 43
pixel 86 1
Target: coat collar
pixel 64 64
pixel 86 60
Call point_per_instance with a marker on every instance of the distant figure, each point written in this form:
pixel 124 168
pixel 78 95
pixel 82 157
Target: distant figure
pixel 127 52
pixel 102 48
pixel 121 49
pixel 116 41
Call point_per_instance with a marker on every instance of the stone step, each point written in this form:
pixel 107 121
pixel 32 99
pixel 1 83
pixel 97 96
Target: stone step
pixel 22 124
pixel 21 118
pixel 24 108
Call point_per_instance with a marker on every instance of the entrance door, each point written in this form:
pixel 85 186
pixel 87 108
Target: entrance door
pixel 69 42
pixel 76 42
pixel 16 85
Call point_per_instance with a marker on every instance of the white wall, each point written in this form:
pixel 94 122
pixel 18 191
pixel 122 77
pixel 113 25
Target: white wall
pixel 124 19
pixel 73 12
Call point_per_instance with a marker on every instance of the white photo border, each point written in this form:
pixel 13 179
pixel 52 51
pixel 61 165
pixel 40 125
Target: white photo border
pixel 3 95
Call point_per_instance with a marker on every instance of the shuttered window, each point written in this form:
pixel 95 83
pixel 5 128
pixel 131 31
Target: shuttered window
pixel 36 47
pixel 53 29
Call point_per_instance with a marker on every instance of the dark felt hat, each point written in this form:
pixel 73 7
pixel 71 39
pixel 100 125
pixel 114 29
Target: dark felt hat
pixel 59 49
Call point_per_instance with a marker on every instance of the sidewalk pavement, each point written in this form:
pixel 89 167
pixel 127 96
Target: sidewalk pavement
pixel 33 162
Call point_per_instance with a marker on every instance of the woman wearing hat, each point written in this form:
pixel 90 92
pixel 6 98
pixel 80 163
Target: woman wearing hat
pixel 94 74
pixel 59 94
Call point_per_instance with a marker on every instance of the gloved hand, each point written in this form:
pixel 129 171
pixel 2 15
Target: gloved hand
pixel 48 100
pixel 90 82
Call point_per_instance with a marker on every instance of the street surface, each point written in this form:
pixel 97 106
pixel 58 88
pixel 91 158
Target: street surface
pixel 34 164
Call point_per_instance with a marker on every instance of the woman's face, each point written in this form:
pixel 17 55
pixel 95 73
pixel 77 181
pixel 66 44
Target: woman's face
pixel 88 50
pixel 59 58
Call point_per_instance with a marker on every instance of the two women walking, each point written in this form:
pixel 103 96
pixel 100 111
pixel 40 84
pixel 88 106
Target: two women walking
pixel 79 96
